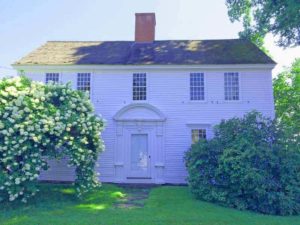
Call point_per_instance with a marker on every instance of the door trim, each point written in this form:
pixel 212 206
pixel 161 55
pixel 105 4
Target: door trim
pixel 155 131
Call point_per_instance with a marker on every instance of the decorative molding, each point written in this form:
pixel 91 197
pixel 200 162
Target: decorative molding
pixel 122 68
pixel 121 112
pixel 159 130
pixel 119 129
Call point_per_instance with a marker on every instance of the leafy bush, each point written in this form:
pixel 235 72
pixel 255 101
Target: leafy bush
pixel 38 122
pixel 287 101
pixel 246 166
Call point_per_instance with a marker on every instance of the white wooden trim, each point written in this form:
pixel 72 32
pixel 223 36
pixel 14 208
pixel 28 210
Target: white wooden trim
pixel 240 100
pixel 198 124
pixel 139 68
pixel 45 77
pixel 205 89
pixel 123 110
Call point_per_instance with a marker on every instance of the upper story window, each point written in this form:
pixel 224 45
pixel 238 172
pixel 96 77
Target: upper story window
pixel 52 78
pixel 139 86
pixel 84 82
pixel 198 134
pixel 197 86
pixel 231 86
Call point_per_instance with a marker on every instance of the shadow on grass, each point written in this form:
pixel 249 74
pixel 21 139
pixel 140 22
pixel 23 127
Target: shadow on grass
pixel 62 196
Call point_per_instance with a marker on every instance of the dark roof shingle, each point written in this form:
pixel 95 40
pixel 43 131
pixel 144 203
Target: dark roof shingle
pixel 193 52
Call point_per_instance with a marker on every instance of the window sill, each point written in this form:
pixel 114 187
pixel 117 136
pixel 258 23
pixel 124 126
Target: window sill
pixel 139 101
pixel 194 124
pixel 119 164
pixel 159 165
pixel 196 102
pixel 234 102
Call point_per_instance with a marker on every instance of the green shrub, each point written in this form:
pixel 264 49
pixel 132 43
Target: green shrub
pixel 246 166
pixel 40 121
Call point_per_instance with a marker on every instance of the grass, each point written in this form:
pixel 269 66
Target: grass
pixel 56 204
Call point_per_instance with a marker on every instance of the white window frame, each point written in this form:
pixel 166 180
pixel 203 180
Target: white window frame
pixel 195 125
pixel 51 78
pixel 197 86
pixel 80 86
pixel 200 129
pixel 239 87
pixel 139 86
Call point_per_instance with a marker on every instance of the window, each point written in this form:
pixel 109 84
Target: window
pixel 231 82
pixel 196 86
pixel 52 77
pixel 139 86
pixel 84 82
pixel 198 134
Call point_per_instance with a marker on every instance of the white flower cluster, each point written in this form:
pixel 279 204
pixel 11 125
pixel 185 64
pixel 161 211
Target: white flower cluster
pixel 38 121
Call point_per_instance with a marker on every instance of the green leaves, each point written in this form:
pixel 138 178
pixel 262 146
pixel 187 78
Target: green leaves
pixel 247 165
pixel 287 101
pixel 259 17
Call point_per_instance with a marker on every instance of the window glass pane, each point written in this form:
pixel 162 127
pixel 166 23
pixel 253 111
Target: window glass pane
pixel 198 134
pixel 197 86
pixel 231 86
pixel 139 86
pixel 52 78
pixel 84 82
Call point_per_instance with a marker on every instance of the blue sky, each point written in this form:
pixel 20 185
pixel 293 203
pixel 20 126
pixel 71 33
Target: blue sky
pixel 25 25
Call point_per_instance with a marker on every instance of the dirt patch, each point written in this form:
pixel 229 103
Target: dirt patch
pixel 135 197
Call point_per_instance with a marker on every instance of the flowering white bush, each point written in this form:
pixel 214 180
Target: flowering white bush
pixel 40 121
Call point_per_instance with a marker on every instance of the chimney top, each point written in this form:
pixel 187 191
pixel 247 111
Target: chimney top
pixel 145 14
pixel 145 27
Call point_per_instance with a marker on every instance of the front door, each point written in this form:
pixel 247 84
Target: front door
pixel 139 165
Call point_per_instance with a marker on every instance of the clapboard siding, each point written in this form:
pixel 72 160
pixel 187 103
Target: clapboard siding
pixel 59 171
pixel 169 92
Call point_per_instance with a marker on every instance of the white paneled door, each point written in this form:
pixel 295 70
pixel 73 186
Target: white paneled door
pixel 139 156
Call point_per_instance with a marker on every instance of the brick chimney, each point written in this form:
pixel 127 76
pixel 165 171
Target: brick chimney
pixel 144 27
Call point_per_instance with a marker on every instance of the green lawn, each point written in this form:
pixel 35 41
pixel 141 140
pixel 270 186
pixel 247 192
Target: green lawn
pixel 56 204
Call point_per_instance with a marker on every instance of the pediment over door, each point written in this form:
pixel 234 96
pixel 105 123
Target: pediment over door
pixel 139 112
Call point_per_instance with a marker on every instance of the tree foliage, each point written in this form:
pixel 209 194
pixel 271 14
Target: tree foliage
pixel 287 100
pixel 259 17
pixel 38 122
pixel 247 165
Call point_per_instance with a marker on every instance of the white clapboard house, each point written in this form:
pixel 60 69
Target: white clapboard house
pixel 158 96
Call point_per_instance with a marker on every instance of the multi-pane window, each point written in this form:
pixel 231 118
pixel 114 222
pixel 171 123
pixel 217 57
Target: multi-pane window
pixel 84 82
pixel 198 134
pixel 52 78
pixel 139 87
pixel 231 84
pixel 197 86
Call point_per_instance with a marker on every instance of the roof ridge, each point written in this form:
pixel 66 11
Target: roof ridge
pixel 228 39
pixel 89 41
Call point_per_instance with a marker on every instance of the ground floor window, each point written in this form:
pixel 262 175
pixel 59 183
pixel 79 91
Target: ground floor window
pixel 198 134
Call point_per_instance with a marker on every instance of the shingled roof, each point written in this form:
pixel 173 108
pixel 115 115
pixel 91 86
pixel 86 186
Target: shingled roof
pixel 193 52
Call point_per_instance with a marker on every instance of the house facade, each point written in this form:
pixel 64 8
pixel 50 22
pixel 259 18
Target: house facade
pixel 158 97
